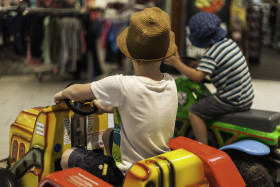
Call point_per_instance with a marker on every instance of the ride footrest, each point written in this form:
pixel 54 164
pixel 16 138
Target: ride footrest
pixel 73 177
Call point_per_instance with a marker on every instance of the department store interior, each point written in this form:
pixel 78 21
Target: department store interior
pixel 83 47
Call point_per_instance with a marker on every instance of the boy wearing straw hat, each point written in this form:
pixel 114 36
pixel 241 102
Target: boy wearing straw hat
pixel 224 63
pixel 146 101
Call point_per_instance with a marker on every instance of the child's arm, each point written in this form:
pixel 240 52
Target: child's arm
pixel 76 92
pixel 102 109
pixel 193 74
pixel 79 92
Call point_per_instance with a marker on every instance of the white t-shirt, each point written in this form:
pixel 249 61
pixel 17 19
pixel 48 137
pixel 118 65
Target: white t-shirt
pixel 148 113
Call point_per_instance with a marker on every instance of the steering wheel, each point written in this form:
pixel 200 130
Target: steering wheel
pixel 193 63
pixel 190 61
pixel 76 106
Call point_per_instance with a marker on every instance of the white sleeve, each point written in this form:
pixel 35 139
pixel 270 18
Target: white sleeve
pixel 108 91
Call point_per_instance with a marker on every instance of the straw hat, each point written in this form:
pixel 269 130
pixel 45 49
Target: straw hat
pixel 205 29
pixel 148 36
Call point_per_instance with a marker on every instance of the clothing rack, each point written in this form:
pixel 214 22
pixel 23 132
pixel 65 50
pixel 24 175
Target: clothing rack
pixel 55 11
pixel 51 68
pixel 4 10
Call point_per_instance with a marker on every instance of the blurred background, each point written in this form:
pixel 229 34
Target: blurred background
pixel 46 44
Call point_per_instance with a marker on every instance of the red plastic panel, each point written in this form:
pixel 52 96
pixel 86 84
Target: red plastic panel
pixel 219 168
pixel 73 177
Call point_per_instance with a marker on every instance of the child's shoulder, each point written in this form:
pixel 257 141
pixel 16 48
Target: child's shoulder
pixel 134 78
pixel 124 78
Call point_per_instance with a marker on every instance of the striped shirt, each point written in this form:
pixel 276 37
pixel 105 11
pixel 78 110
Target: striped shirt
pixel 229 73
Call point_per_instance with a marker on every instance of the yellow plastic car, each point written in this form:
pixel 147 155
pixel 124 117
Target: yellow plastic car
pixel 40 135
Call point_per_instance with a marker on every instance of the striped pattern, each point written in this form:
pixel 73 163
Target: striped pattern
pixel 229 72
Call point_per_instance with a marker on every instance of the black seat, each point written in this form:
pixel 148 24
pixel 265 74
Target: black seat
pixel 261 120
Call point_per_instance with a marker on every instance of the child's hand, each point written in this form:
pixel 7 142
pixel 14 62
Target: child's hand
pixel 173 60
pixel 58 97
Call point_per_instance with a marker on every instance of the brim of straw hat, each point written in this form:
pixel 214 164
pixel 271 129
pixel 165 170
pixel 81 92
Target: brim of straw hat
pixel 206 42
pixel 121 41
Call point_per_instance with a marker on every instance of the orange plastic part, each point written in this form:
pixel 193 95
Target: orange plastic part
pixel 73 177
pixel 219 168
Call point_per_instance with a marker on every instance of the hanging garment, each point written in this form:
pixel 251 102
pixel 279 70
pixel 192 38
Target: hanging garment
pixel 46 53
pixel 36 35
pixel 55 39
pixel 20 29
pixel 113 53
pixel 91 38
pixel 70 43
pixel 31 60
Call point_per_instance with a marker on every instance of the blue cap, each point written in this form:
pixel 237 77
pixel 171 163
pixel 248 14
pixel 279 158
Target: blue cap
pixel 205 29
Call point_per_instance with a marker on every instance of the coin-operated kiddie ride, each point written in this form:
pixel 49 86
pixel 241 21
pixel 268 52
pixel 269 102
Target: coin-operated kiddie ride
pixel 40 135
pixel 250 138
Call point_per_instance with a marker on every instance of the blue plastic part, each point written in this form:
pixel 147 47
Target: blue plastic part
pixel 57 147
pixel 251 147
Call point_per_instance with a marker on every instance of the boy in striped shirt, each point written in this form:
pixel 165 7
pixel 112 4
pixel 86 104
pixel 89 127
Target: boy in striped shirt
pixel 224 62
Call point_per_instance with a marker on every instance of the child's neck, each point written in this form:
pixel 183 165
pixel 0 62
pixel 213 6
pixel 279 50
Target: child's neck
pixel 152 75
pixel 149 70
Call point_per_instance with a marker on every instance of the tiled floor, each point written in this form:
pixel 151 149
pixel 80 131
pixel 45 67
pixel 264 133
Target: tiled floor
pixel 23 92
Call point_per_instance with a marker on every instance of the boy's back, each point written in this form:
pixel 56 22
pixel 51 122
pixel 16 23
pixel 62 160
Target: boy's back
pixel 147 109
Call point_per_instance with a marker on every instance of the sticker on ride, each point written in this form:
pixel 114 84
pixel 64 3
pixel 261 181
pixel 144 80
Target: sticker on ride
pixel 81 180
pixel 40 128
pixel 73 177
pixel 67 131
